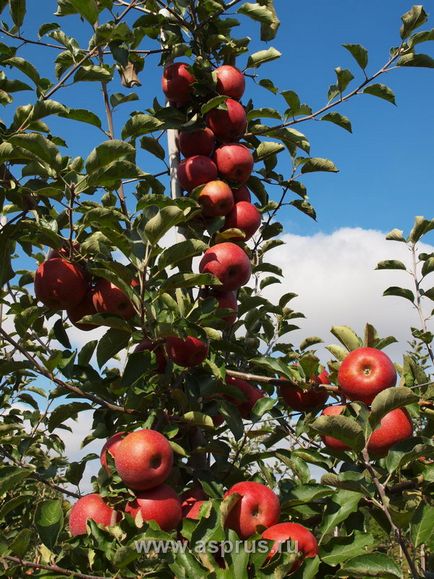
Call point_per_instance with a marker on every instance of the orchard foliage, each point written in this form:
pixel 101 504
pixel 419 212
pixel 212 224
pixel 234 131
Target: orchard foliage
pixel 134 241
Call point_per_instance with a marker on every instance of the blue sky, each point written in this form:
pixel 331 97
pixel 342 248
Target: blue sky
pixel 386 168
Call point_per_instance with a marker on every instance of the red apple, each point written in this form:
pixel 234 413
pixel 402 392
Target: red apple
pixel 331 441
pixel 90 507
pixel 157 349
pixel 64 251
pixel 241 194
pixel 109 299
pixel 197 142
pixel 230 81
pixel 394 427
pixel 305 400
pixel 228 125
pixel 193 511
pixel 250 393
pixel 196 171
pixel 187 352
pixel 111 445
pixel 84 308
pixel 229 263
pixel 160 504
pixel 282 532
pixel 234 163
pixel 258 506
pixel 245 217
pixel 144 459
pixel 177 83
pixel 364 373
pixel 60 284
pixel 191 496
pixel 216 199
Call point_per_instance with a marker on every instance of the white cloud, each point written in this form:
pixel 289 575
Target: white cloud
pixel 335 278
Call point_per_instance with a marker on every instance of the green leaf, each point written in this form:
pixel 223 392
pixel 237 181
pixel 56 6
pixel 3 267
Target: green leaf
pixel 11 477
pixel 412 19
pixel 344 77
pixel 86 8
pixel 399 292
pixel 180 251
pixel 395 235
pixel 419 60
pixel 419 37
pixel 343 428
pixel 372 565
pixel 162 222
pixel 347 337
pixel 259 58
pixel 359 53
pixel 25 67
pixel 267 149
pixel 262 406
pixel 186 280
pixel 65 411
pixel 422 528
pixel 420 228
pixel 314 164
pixel 40 147
pixel 118 98
pixel 388 400
pixel 93 73
pixel 153 146
pixel 338 509
pixel 428 266
pixel 339 549
pixel 107 152
pixel 140 124
pixel 83 116
pixel 21 543
pixel 125 555
pixel 264 13
pixel 49 521
pixel 213 104
pixel 391 264
pixel 198 419
pixel 18 11
pixel 110 344
pixel 381 91
pixel 338 119
pixel 429 293
pixel 61 335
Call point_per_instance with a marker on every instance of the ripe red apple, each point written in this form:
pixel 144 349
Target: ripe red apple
pixel 90 507
pixel 244 216
pixel 84 308
pixel 216 199
pixel 111 445
pixel 193 510
pixel 64 251
pixel 331 441
pixel 251 395
pixel 305 400
pixel 394 427
pixel 228 125
pixel 364 373
pixel 258 506
pixel 144 459
pixel 160 504
pixel 234 163
pixel 109 299
pixel 241 194
pixel 229 263
pixel 196 171
pixel 177 83
pixel 187 352
pixel 191 496
pixel 230 81
pixel 197 142
pixel 294 532
pixel 60 284
pixel 157 349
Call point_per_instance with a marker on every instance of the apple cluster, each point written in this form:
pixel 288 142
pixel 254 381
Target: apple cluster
pixel 143 460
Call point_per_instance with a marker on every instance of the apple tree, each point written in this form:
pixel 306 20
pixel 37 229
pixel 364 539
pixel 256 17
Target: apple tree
pixel 133 302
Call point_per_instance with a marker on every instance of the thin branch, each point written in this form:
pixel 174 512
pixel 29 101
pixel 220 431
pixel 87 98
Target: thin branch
pixel 70 387
pixel 276 381
pixel 384 507
pixel 52 568
pixel 331 105
pixel 30 41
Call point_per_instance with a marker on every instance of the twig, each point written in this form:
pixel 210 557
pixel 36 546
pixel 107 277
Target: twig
pixel 68 75
pixel 52 568
pixel 276 381
pixel 384 507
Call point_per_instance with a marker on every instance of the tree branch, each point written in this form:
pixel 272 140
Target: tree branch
pixel 52 568
pixel 276 381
